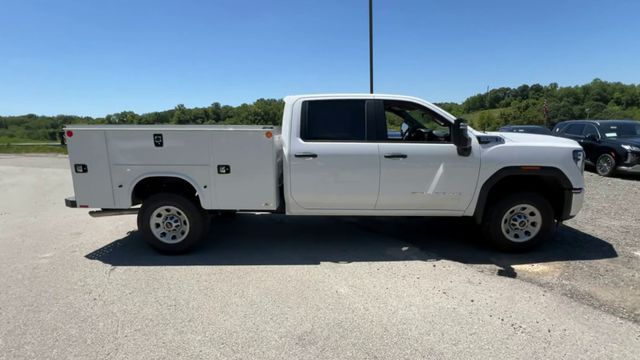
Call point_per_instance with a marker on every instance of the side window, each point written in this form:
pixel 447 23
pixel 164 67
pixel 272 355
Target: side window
pixel 590 130
pixel 574 129
pixel 407 121
pixel 333 120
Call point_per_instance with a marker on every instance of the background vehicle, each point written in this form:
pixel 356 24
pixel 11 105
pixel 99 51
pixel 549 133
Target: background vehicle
pixel 367 155
pixel 529 129
pixel 610 145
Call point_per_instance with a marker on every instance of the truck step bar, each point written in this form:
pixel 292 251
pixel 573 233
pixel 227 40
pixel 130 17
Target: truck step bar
pixel 113 212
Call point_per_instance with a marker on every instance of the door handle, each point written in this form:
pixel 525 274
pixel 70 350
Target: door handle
pixel 395 156
pixel 306 155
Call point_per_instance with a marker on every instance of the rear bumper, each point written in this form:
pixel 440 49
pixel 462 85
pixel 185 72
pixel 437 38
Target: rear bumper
pixel 71 202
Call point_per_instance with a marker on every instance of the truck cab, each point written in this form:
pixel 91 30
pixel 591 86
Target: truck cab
pixel 351 154
pixel 367 155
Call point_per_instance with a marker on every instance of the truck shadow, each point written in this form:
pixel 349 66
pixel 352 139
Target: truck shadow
pixel 252 239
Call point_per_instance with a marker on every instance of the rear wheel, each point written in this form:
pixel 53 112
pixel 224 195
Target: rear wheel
pixel 519 222
pixel 172 224
pixel 605 165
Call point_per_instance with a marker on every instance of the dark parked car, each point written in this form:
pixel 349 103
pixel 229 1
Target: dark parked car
pixel 529 129
pixel 610 145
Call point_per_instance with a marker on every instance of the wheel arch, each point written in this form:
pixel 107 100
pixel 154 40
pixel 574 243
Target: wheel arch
pixel 550 182
pixel 150 184
pixel 616 153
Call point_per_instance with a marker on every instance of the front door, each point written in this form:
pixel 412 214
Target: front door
pixel 590 146
pixel 420 168
pixel 332 165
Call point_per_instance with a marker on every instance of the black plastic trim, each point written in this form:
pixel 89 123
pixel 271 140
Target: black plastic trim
pixel 71 202
pixel 541 171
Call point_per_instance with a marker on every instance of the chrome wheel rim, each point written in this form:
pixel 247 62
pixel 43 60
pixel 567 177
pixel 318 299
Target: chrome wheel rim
pixel 604 165
pixel 521 223
pixel 169 224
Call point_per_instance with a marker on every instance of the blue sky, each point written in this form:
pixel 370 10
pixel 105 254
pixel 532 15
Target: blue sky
pixel 100 57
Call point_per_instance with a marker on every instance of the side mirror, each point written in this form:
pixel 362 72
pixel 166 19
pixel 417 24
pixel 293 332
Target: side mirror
pixel 460 137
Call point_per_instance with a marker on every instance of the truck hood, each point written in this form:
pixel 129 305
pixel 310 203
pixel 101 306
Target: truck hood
pixel 624 140
pixel 535 139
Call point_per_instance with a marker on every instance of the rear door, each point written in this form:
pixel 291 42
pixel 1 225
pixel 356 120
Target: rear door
pixel 332 166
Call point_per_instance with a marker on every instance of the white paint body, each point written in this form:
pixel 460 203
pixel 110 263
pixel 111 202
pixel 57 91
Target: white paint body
pixel 346 178
pixel 119 156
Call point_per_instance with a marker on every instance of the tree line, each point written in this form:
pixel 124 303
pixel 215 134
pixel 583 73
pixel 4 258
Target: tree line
pixel 35 127
pixel 526 104
pixel 547 104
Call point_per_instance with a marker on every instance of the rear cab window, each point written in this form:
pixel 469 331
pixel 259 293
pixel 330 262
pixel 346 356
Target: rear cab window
pixel 333 120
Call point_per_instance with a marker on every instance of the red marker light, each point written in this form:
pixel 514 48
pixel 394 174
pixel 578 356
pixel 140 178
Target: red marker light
pixel 69 133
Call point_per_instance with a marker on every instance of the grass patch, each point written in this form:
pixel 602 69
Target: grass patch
pixel 16 140
pixel 32 149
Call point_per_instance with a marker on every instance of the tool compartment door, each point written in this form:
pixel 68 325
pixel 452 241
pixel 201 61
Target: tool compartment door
pixel 245 170
pixel 89 161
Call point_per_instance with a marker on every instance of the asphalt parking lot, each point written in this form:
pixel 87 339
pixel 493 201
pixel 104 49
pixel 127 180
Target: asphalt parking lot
pixel 274 287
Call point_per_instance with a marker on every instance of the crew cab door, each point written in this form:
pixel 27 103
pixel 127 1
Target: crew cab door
pixel 331 164
pixel 420 168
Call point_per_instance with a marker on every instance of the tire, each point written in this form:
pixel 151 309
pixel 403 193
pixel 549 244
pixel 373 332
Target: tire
pixel 519 222
pixel 605 165
pixel 182 222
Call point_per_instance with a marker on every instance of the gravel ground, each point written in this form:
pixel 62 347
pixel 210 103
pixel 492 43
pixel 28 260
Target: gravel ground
pixel 278 287
pixel 594 258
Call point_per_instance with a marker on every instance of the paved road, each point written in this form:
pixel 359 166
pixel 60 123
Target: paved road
pixel 274 287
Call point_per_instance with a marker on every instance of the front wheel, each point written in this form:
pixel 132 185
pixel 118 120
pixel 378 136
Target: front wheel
pixel 172 224
pixel 605 165
pixel 519 222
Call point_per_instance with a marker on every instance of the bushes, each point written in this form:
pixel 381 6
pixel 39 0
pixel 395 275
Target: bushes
pixel 526 104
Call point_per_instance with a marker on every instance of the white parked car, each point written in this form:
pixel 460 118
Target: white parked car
pixel 368 155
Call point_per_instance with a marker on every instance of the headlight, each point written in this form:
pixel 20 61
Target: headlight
pixel 630 147
pixel 578 158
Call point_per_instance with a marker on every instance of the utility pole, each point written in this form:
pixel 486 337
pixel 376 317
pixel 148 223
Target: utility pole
pixel 371 46
pixel 486 98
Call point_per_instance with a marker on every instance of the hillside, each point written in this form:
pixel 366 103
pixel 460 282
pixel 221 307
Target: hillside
pixel 526 104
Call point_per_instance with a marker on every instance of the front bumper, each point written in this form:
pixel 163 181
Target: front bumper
pixel 631 163
pixel 635 169
pixel 573 200
pixel 71 202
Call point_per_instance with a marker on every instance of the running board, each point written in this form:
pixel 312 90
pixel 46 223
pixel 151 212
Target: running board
pixel 113 212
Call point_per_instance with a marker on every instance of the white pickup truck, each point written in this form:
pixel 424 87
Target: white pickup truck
pixel 355 155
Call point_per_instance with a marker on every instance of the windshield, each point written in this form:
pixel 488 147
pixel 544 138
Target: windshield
pixel 619 130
